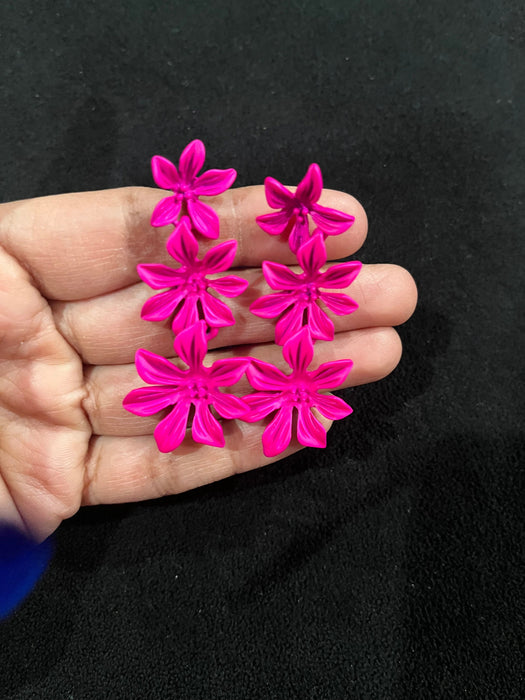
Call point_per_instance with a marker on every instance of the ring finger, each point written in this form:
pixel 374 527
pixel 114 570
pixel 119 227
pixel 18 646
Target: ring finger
pixel 374 351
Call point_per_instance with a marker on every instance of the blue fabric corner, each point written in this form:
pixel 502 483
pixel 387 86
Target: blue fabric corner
pixel 22 563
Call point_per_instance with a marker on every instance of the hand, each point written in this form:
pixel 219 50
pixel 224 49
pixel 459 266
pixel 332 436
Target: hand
pixel 70 301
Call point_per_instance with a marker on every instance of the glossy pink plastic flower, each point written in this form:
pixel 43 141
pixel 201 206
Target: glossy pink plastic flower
pixel 299 294
pixel 187 187
pixel 188 297
pixel 295 208
pixel 198 386
pixel 299 391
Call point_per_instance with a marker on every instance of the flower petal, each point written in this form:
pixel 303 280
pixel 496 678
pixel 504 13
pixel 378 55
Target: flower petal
pixel 299 234
pixel 214 182
pixel 289 324
pixel 229 371
pixel 159 276
pixel 310 431
pixel 266 377
pixel 206 428
pixel 277 195
pixel 220 257
pixel 166 212
pixel 340 276
pixel 216 313
pixel 230 286
pixel 298 351
pixel 230 406
pixel 312 254
pixel 331 374
pixel 204 218
pixel 164 172
pixel 332 407
pixel 331 221
pixel 149 400
pixel 321 327
pixel 261 404
pixel 273 223
pixel 310 188
pixel 155 369
pixel 191 160
pixel 182 244
pixel 280 277
pixel 160 306
pixel 278 434
pixel 171 431
pixel 340 304
pixel 271 305
pixel 190 344
pixel 186 316
pixel 211 333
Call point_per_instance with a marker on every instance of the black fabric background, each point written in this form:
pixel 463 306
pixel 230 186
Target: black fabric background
pixel 388 565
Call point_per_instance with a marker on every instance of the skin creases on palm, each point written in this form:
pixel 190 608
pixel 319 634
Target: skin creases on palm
pixel 70 301
pixel 45 431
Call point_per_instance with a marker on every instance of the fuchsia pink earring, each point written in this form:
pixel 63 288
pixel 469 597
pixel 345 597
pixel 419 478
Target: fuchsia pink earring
pixel 302 319
pixel 197 315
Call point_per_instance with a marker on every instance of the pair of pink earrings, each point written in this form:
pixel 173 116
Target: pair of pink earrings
pixel 197 315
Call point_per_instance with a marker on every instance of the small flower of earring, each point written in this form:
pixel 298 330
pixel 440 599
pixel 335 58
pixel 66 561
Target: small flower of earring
pixel 187 187
pixel 197 386
pixel 294 208
pixel 299 295
pixel 188 284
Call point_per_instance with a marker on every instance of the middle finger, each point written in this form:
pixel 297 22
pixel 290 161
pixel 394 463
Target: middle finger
pixel 108 329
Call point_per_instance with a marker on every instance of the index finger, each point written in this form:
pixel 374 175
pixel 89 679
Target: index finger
pixel 84 244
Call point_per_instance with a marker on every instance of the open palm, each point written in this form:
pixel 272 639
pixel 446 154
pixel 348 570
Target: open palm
pixel 70 301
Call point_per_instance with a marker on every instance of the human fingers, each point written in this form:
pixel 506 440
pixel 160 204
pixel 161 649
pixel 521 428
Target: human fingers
pixel 85 244
pixel 108 329
pixel 375 353
pixel 125 469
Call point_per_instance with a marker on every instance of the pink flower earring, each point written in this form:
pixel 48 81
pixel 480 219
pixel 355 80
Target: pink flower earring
pixel 198 314
pixel 302 319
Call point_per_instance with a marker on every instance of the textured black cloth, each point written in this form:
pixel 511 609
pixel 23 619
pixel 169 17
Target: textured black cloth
pixel 389 564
